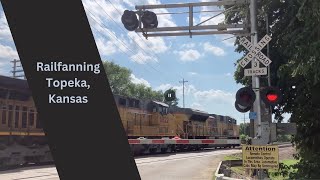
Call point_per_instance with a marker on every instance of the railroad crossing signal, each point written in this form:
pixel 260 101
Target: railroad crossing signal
pixel 130 20
pixel 255 51
pixel 245 97
pixel 271 96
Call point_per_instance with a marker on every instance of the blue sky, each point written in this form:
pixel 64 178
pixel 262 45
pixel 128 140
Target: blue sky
pixel 206 62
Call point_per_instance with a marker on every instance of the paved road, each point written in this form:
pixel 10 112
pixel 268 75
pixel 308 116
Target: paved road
pixel 192 165
pixel 187 166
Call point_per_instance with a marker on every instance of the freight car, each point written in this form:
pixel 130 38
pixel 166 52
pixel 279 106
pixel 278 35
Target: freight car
pixel 151 126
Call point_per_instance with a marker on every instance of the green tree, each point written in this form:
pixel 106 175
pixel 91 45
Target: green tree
pixel 244 128
pixel 119 78
pixel 121 84
pixel 295 55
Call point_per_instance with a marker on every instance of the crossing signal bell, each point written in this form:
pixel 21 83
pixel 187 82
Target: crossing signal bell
pixel 170 95
pixel 271 96
pixel 245 97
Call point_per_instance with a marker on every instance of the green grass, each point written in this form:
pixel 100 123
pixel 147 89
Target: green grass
pixel 233 157
pixel 289 162
pixel 236 169
pixel 214 177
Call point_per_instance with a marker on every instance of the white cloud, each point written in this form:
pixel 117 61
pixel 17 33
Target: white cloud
pixel 188 55
pixel 214 21
pixel 188 45
pixel 163 87
pixel 103 10
pixel 142 58
pixel 110 43
pixel 188 89
pixel 206 15
pixel 105 13
pixel 5 33
pixel 6 52
pixel 195 21
pixel 105 47
pixel 197 106
pixel 202 98
pixel 137 80
pixel 228 74
pixel 213 49
pixel 152 45
pixel 229 40
pixel 192 73
pixel 214 96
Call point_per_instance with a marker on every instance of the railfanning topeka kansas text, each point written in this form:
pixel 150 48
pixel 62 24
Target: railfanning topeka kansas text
pixel 62 84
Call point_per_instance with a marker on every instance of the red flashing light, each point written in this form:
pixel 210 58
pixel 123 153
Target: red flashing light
pixel 272 97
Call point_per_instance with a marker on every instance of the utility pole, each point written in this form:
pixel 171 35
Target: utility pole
pixel 14 68
pixel 255 79
pixel 183 81
pixel 244 123
pixel 15 71
pixel 268 50
pixel 255 64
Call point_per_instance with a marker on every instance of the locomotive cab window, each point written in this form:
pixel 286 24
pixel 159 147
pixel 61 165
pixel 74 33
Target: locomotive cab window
pixel 38 122
pixel 10 115
pixel 122 101
pixel 4 114
pixel 3 93
pixel 31 117
pixel 137 104
pixel 15 95
pixel 24 117
pixel 131 103
pixel 16 117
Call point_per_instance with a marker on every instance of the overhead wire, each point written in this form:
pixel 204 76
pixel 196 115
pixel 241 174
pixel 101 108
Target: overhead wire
pixel 136 32
pixel 103 34
pixel 129 36
pixel 93 17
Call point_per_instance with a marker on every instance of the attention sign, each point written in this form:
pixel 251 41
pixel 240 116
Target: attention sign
pixel 260 157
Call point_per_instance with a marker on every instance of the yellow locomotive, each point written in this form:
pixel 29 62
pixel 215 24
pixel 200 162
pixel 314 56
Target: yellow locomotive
pixel 153 119
pixel 21 135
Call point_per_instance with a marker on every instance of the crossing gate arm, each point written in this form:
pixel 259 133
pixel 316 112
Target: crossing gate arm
pixel 184 141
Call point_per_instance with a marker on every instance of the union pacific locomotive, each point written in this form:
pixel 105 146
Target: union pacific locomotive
pixel 22 139
pixel 156 120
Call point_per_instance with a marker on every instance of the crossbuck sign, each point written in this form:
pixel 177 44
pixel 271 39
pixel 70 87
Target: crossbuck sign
pixel 255 52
